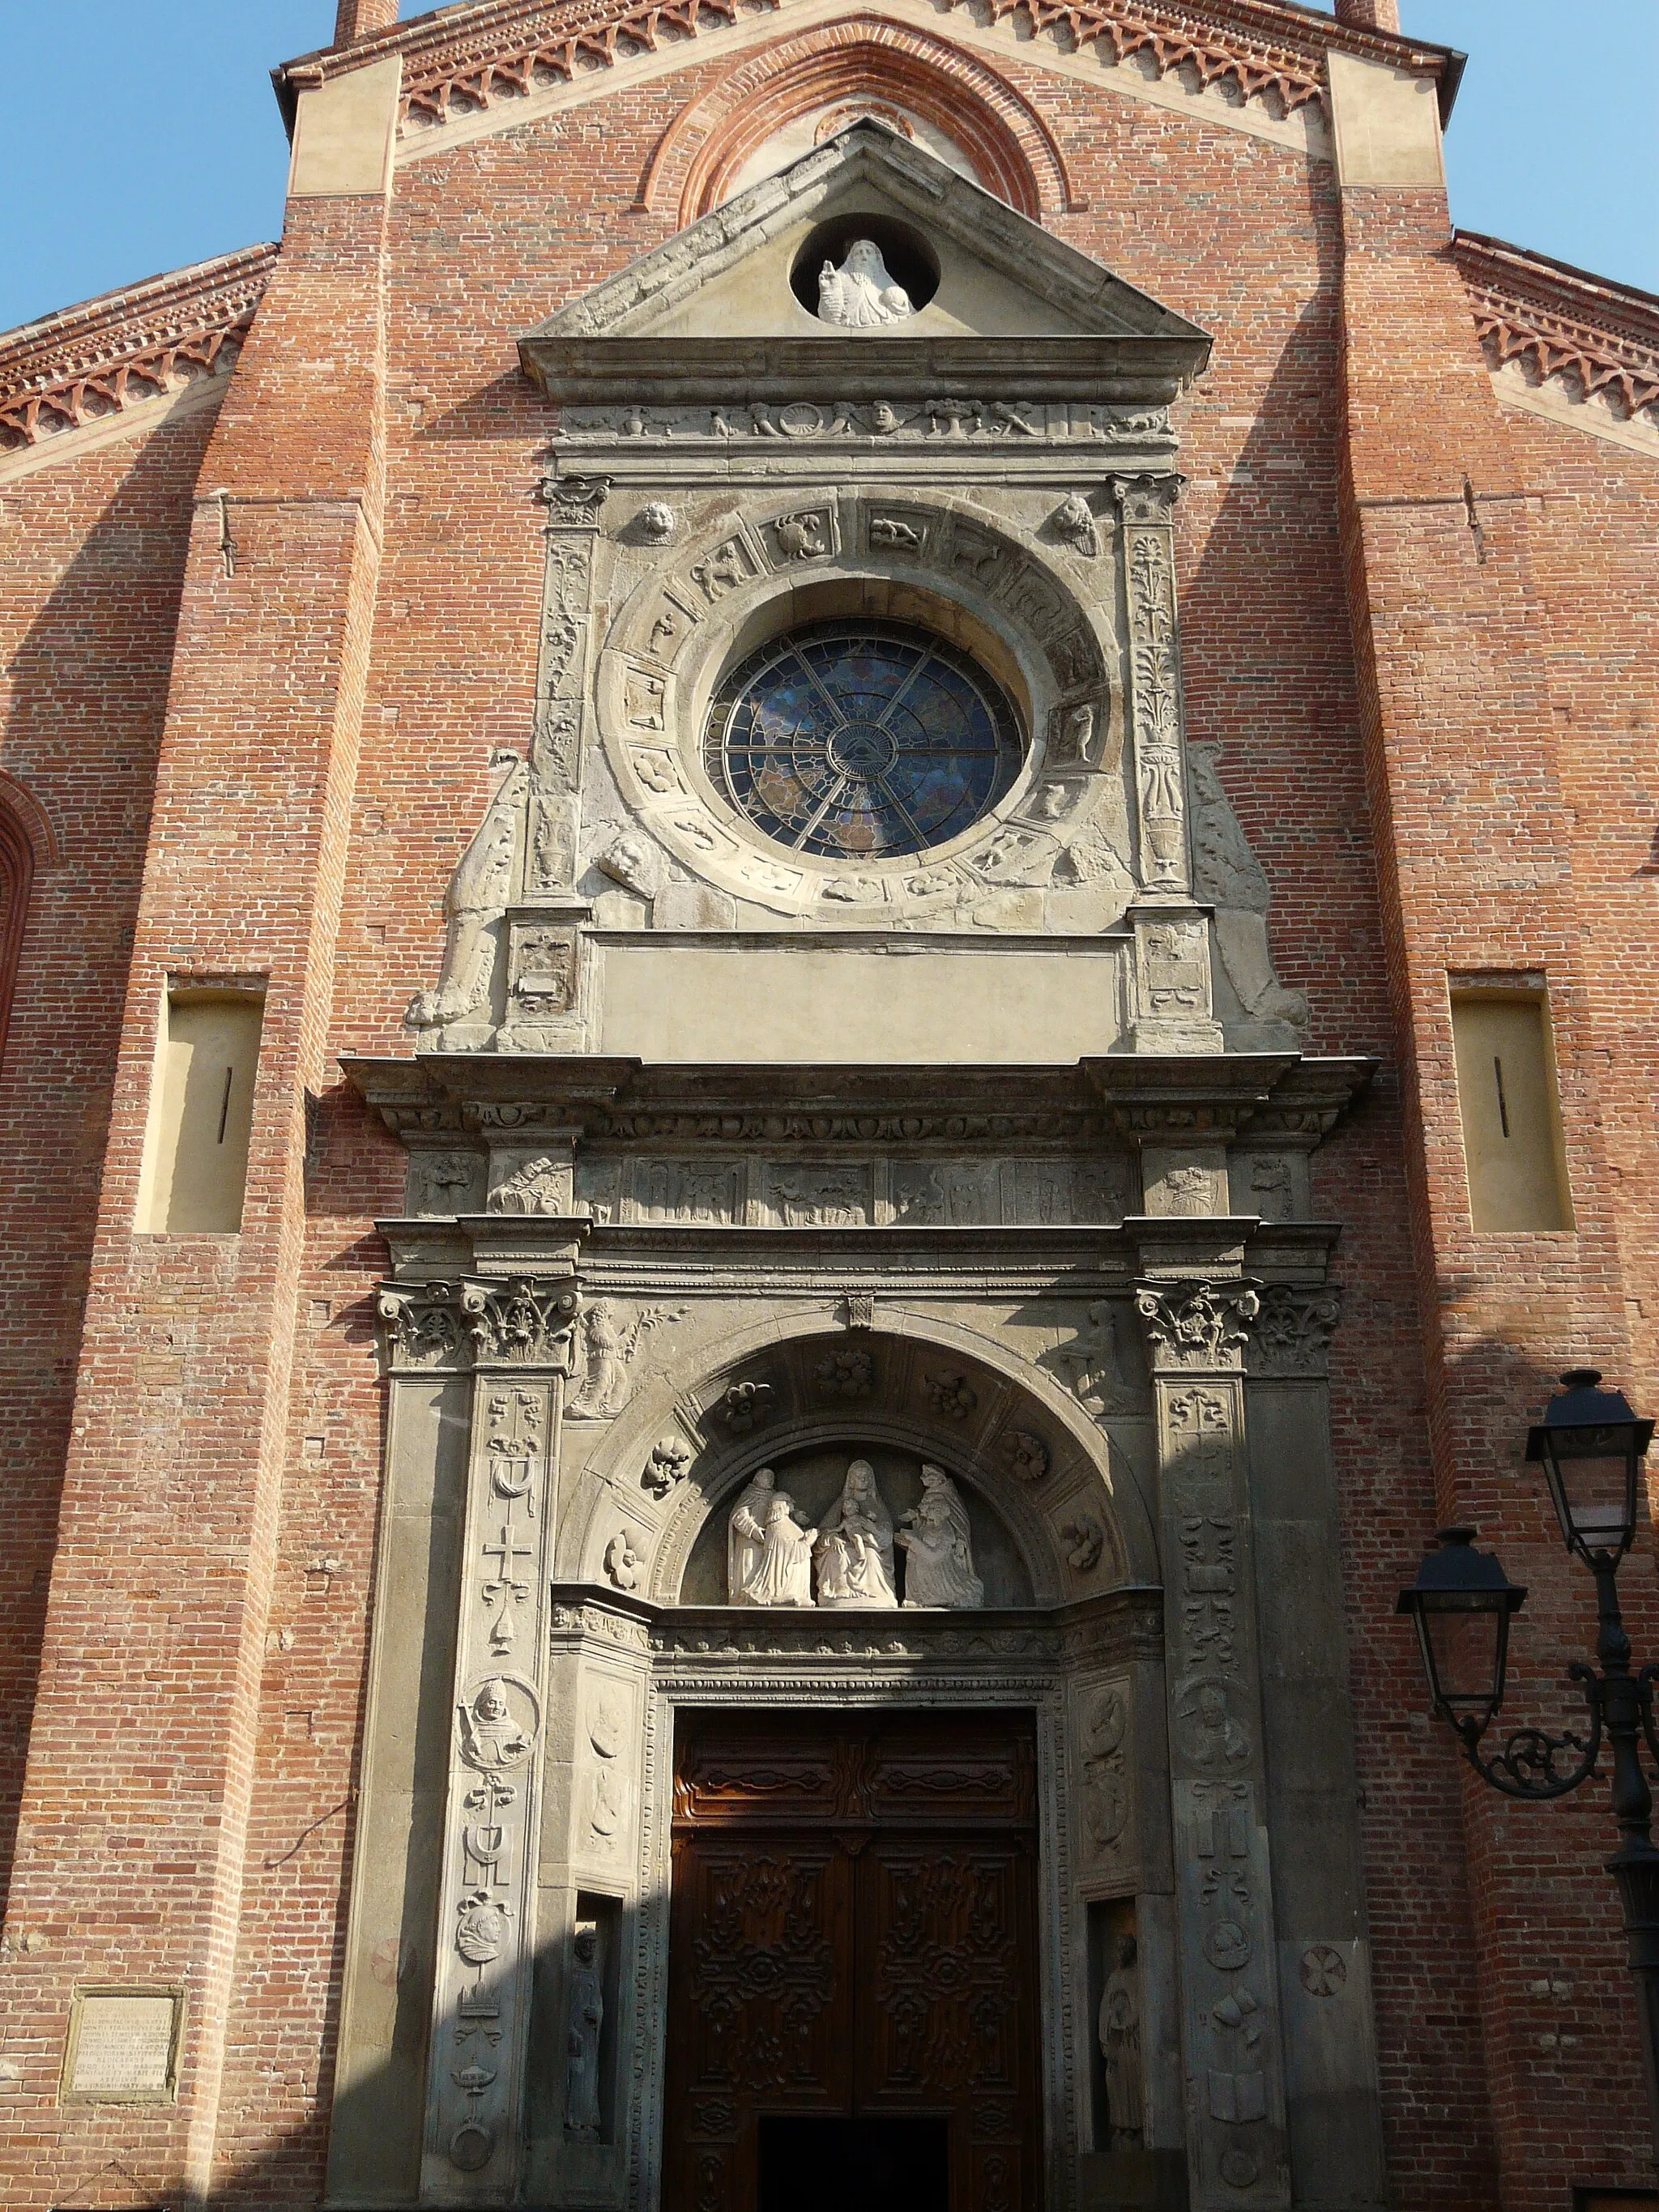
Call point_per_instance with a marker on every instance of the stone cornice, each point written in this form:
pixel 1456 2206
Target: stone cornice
pixel 465 60
pixel 1590 339
pixel 445 1263
pixel 93 363
pixel 622 1103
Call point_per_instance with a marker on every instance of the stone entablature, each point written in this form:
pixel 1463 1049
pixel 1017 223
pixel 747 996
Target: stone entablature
pixel 625 1145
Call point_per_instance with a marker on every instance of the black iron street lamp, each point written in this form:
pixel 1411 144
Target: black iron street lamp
pixel 1590 1445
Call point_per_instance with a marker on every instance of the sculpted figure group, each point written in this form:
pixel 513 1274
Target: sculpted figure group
pixel 772 1558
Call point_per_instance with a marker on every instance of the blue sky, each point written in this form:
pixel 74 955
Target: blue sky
pixel 152 139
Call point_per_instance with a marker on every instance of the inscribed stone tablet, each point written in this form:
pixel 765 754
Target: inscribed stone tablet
pixel 124 2047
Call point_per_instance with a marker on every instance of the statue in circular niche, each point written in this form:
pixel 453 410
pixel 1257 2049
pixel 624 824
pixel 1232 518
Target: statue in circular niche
pixel 861 291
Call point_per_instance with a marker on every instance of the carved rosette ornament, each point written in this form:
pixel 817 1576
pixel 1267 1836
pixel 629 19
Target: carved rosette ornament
pixel 1195 1332
pixel 521 1337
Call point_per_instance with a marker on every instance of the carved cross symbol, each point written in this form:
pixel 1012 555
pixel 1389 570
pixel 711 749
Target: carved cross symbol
pixel 502 1591
pixel 505 1551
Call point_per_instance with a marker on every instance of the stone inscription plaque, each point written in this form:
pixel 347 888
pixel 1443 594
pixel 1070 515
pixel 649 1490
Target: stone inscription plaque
pixel 121 2046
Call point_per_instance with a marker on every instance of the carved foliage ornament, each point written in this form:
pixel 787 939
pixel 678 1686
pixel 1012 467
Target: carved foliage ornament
pixel 575 501
pixel 1294 1329
pixel 525 1321
pixel 1196 1325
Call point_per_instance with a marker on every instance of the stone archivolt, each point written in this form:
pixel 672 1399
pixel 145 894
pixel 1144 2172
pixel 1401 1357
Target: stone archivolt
pixel 1587 339
pixel 93 363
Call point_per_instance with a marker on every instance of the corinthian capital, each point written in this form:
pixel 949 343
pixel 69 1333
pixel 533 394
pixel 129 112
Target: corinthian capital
pixel 1196 1325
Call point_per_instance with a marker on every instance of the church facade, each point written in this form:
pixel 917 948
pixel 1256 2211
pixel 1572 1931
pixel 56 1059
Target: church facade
pixel 827 973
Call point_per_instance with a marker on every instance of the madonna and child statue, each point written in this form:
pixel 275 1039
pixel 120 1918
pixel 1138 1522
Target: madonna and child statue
pixel 851 1561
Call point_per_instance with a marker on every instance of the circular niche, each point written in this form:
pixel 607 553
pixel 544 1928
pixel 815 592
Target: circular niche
pixel 813 1477
pixel 861 739
pixel 910 259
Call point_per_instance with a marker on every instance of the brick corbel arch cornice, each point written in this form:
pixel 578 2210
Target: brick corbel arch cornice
pixel 860 58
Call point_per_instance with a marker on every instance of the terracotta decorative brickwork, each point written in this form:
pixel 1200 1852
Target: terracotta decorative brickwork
pixel 507 50
pixel 1590 339
pixel 94 361
pixel 864 59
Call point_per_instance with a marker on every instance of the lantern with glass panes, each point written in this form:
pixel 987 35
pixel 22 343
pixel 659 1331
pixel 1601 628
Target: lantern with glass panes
pixel 1590 1445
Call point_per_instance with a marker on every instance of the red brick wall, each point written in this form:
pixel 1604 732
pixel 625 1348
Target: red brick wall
pixel 91 559
pixel 131 1860
pixel 1482 872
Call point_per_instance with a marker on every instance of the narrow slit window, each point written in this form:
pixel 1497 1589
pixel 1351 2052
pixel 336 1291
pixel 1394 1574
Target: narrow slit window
pixel 201 1113
pixel 1511 1110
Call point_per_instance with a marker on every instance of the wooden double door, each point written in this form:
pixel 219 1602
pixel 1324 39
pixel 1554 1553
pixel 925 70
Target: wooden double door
pixel 853 2011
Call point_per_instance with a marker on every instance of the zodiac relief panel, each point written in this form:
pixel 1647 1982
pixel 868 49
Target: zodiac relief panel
pixel 710 580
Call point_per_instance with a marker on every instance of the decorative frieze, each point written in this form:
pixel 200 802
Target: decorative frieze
pixel 626 433
pixel 518 53
pixel 1594 344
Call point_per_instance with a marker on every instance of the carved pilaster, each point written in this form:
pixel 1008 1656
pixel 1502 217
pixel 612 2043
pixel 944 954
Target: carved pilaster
pixel 521 1336
pixel 574 505
pixel 1195 1333
pixel 1173 998
pixel 1146 511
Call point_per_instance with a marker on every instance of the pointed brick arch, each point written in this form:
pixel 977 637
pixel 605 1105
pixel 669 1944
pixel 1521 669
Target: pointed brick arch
pixel 862 57
pixel 17 864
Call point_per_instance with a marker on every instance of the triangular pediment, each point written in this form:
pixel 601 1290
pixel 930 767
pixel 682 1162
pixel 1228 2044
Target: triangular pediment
pixel 742 281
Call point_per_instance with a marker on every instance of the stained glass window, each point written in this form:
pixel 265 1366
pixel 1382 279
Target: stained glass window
pixel 861 740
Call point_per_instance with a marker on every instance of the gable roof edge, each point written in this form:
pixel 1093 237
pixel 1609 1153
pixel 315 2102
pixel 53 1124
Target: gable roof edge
pixel 466 45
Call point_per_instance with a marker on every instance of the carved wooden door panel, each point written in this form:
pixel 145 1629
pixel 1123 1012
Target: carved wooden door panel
pixel 947 2019
pixel 852 1936
pixel 759 2003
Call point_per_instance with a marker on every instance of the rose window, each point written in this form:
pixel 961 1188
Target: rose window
pixel 861 740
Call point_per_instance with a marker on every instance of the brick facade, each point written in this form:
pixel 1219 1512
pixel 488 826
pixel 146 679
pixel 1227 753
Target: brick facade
pixel 1418 620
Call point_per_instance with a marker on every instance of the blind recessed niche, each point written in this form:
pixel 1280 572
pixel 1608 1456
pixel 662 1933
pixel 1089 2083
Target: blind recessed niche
pixel 195 1169
pixel 1511 1111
